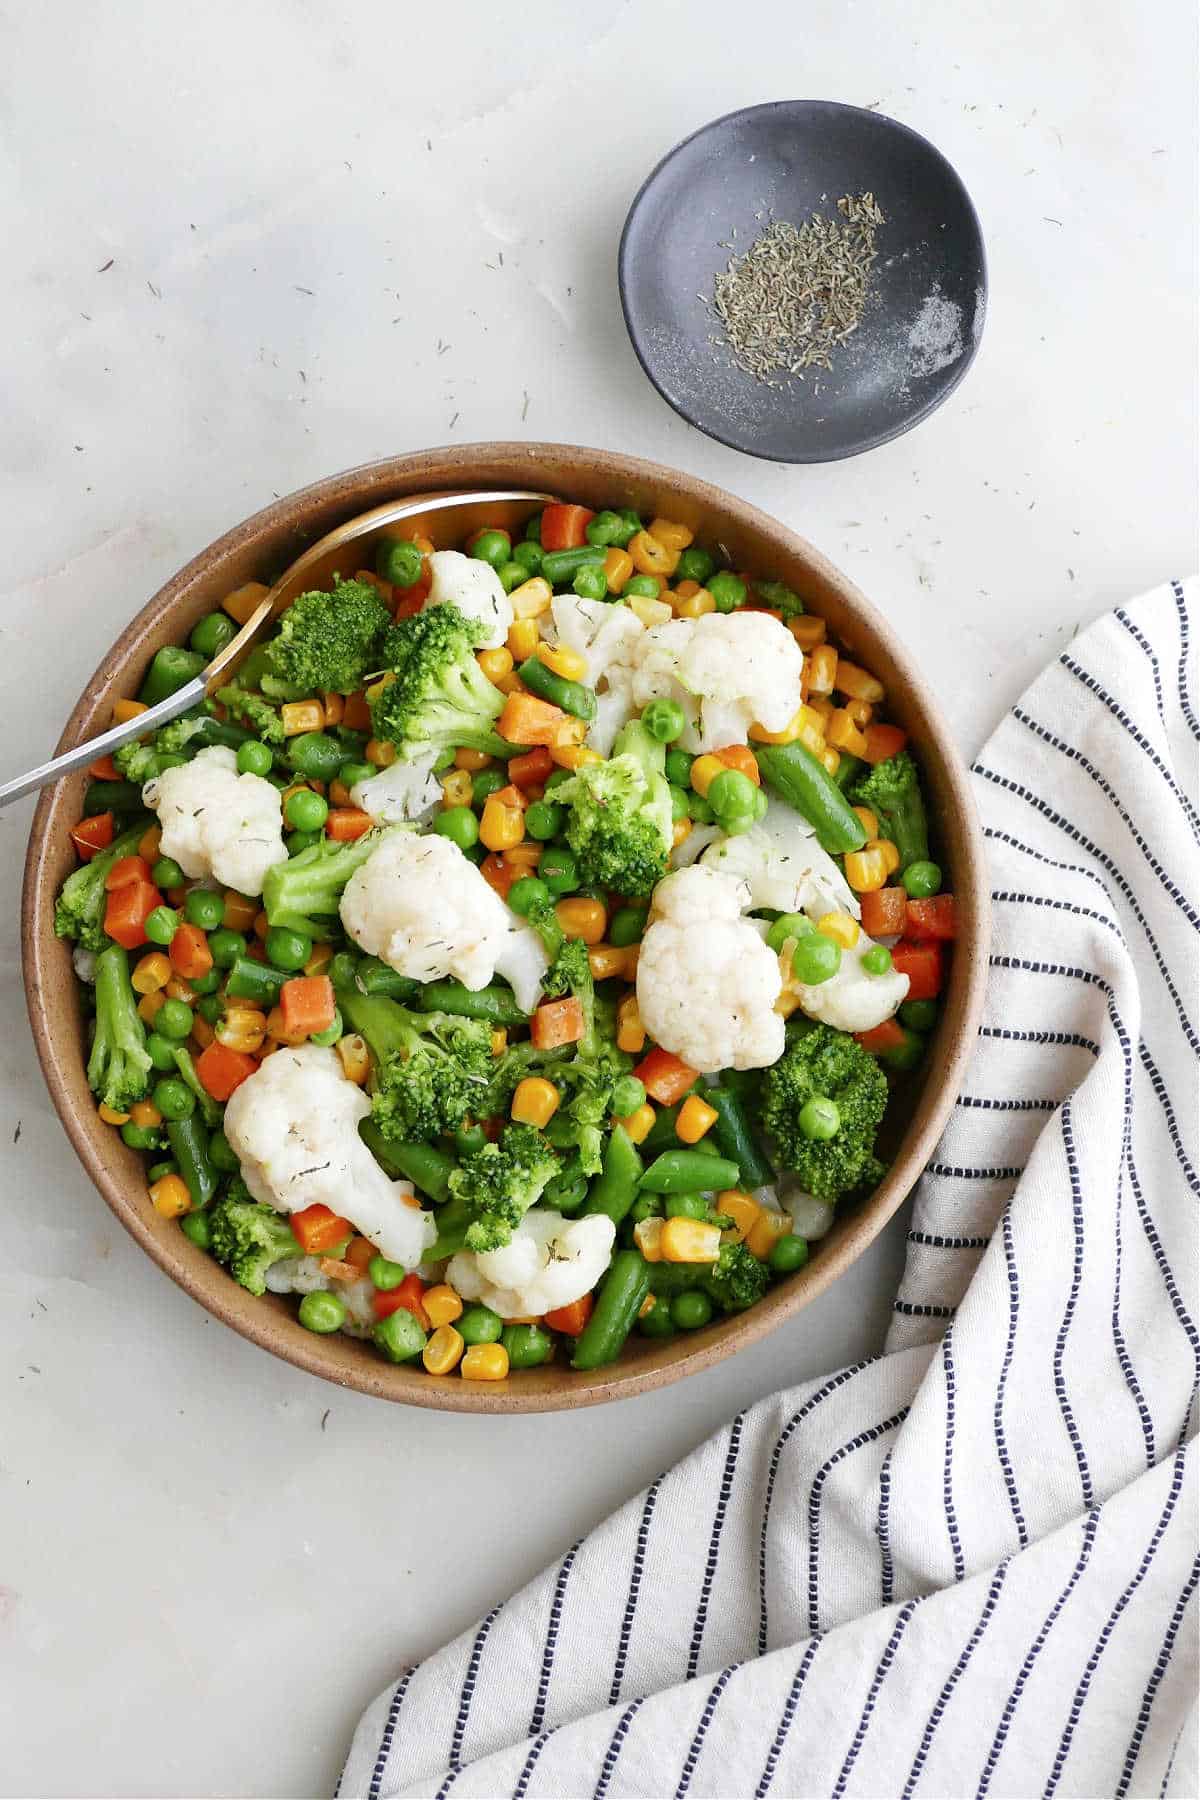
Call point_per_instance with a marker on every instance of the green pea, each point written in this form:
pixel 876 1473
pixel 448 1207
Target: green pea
pixel 207 983
pixel 195 1226
pixel 486 783
pixel 544 820
pixel 491 547
pixel 142 1137
pixel 469 1139
pixel 609 528
pixel 656 1321
pixel 529 556
pixel 527 1345
pixel 877 960
pixel 167 873
pixel 922 880
pixel 788 925
pixel 533 531
pixel 627 923
pixel 162 924
pixel 819 1119
pixel 301 840
pixel 695 564
pixel 664 720
pixel 760 803
pixel 815 959
pixel 685 1206
pixel 331 1033
pixel 643 587
pixel 354 772
pixel 728 592
pixel 699 811
pixel 306 811
pixel 646 1206
pixel 919 1015
pixel 316 756
pixel 254 758
pixel 679 768
pixel 174 1098
pixel 558 778
pixel 386 1275
pixel 628 1094
pixel 211 1008
pixel 398 561
pixel 222 1155
pixel 322 1312
pixel 173 1020
pixel 905 1055
pixel 459 824
pixel 679 804
pixel 225 946
pixel 479 1325
pixel 559 872
pixel 732 798
pixel 691 1310
pixel 159 1170
pixel 590 582
pixel 287 949
pixel 204 908
pixel 788 1254
pixel 212 634
pixel 160 1051
pixel 512 574
pixel 527 894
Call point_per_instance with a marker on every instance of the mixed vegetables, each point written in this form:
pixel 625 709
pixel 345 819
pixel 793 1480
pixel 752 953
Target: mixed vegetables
pixel 520 951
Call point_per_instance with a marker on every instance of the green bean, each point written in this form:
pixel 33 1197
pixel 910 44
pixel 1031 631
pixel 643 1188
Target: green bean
pixel 171 669
pixel 317 756
pixel 661 1135
pixel 617 1306
pixel 424 1165
pixel 687 1172
pixel 188 1139
pixel 210 1110
pixel 219 731
pixel 797 777
pixel 561 565
pixel 112 796
pixel 495 1004
pixel 375 977
pixel 735 1139
pixel 615 1188
pixel 250 980
pixel 571 696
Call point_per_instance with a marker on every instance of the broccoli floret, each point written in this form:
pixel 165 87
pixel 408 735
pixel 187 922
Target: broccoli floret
pixel 432 1070
pixel 304 893
pixel 493 1190
pixel 892 790
pixel 249 1238
pixel 439 697
pixel 620 815
pixel 79 909
pixel 255 712
pixel 735 1281
pixel 118 1068
pixel 137 762
pixel 587 1078
pixel 828 1064
pixel 330 641
pixel 780 598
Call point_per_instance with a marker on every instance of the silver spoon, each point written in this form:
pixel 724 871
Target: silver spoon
pixel 318 563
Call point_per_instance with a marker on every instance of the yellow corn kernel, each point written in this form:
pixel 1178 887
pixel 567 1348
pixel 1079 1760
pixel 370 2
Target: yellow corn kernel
pixel 424 544
pixel 339 793
pixel 791 731
pixel 858 683
pixel 322 956
pixel 671 533
pixel 574 756
pixel 822 669
pixel 110 1117
pixel 680 830
pixel 149 1005
pixel 442 1303
pixel 650 557
pixel 278 1030
pixel 867 820
pixel 457 788
pixel 474 760
pixel 605 961
pixel 705 770
pixel 766 1232
pixel 146 1115
pixel 203 1032
pixel 631 962
pixel 583 919
pixel 690 1241
pixel 261 926
pixel 150 844
pixel 354 1057
pixel 866 870
pixel 443 1350
pixel 843 734
pixel 534 1102
pixel 243 1028
pixel 822 706
pixel 829 760
pixel 501 825
pixel 524 856
pixel 522 641
pixel 650 612
pixel 742 1208
pixel 694 606
pixel 647 1235
pixel 380 753
pixel 376 688
pixel 696 1118
pixel 889 853
pixel 639 1124
pixel 683 590
pixel 510 683
pixel 618 567
pixel 567 663
pixel 301 715
pixel 242 602
pixel 840 927
pixel 860 713
pixel 648 1305
pixel 124 710
pixel 631 1033
pixel 499 1040
pixel 484 1362
pixel 496 664
pixel 178 989
pixel 239 911
pixel 169 1197
pixel 150 973
pixel 531 600
pixel 786 1004
pixel 807 630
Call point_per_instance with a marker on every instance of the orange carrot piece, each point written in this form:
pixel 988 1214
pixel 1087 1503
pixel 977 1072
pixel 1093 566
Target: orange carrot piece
pixel 528 720
pixel 884 912
pixel 570 1320
pixel 127 910
pixel 222 1071
pixel 317 1229
pixel 741 758
pixel 307 1004
pixel 125 870
pixel 345 824
pixel 92 834
pixel 888 1036
pixel 884 741
pixel 189 952
pixel 556 1022
pixel 665 1077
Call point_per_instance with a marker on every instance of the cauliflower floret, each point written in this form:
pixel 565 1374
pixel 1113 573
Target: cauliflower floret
pixel 424 909
pixel 706 982
pixel 304 1275
pixel 294 1129
pixel 852 1000
pixel 654 674
pixel 784 867
pixel 597 630
pixel 217 822
pixel 475 588
pixel 743 663
pixel 614 709
pixel 401 791
pixel 548 1262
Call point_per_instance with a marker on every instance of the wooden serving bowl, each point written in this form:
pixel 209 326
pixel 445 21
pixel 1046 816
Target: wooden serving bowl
pixel 260 549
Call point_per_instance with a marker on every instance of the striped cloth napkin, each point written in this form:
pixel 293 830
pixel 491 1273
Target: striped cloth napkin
pixel 967 1566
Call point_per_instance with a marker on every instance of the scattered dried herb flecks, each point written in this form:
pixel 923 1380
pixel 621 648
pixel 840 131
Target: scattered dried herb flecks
pixel 799 291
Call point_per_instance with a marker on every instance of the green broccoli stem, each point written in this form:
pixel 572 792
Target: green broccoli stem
pixel 892 791
pixel 118 1067
pixel 496 1005
pixel 303 893
pixel 388 1028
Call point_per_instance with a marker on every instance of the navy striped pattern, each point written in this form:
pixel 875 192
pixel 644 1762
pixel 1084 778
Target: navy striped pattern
pixel 967 1565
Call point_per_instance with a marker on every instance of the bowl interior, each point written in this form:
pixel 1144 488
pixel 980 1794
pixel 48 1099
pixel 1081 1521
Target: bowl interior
pixel 259 550
pixel 713 195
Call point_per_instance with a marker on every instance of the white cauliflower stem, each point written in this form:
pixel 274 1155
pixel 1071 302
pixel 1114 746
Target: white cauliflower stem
pixel 728 671
pixel 706 982
pixel 217 822
pixel 399 792
pixel 549 1262
pixel 294 1129
pixel 784 867
pixel 475 588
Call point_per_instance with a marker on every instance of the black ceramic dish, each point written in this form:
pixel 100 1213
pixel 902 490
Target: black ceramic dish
pixel 786 160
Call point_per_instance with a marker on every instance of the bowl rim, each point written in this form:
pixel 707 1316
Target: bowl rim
pixel 861 445
pixel 44 958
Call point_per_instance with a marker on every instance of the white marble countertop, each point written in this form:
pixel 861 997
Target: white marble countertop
pixel 237 239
